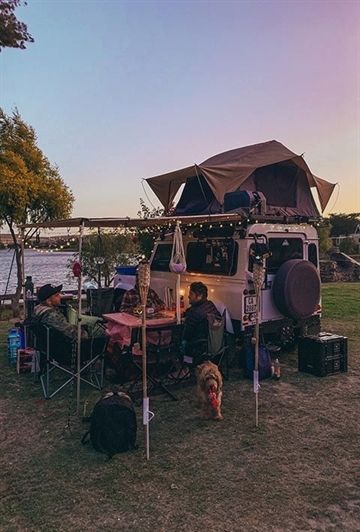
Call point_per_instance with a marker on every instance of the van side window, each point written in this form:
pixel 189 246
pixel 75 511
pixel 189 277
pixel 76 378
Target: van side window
pixel 312 254
pixel 282 250
pixel 160 262
pixel 212 257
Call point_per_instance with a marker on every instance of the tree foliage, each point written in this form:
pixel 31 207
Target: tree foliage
pixel 147 236
pixel 31 188
pixel 344 224
pixel 13 33
pixel 325 243
pixel 101 253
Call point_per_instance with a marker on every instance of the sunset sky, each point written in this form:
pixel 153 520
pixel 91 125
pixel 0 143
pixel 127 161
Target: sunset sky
pixel 119 91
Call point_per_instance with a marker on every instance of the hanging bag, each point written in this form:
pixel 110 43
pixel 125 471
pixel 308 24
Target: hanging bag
pixel 177 262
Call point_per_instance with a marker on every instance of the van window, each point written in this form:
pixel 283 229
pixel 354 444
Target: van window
pixel 212 257
pixel 160 262
pixel 312 254
pixel 282 250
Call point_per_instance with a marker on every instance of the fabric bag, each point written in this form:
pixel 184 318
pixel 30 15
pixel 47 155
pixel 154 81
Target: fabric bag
pixel 264 362
pixel 113 425
pixel 177 262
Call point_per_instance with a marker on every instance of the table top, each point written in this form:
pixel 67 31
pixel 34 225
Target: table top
pixel 129 320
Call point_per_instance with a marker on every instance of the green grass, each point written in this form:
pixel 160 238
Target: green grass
pixel 341 301
pixel 297 471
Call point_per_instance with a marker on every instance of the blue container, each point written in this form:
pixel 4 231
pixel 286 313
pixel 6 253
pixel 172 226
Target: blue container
pixel 14 342
pixel 126 270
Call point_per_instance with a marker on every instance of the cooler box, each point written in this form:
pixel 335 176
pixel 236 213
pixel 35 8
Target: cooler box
pixel 324 354
pixel 26 360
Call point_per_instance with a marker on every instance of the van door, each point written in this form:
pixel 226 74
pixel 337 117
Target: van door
pixel 283 246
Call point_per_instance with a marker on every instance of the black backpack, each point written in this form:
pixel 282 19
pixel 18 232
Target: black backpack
pixel 113 424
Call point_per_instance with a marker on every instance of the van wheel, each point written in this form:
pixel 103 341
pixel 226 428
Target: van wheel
pixel 296 289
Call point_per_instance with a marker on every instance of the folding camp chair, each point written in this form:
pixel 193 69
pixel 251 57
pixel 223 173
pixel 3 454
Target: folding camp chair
pixel 212 348
pixel 100 300
pixel 58 352
pixel 160 360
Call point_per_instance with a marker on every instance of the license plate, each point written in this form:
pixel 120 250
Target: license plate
pixel 250 304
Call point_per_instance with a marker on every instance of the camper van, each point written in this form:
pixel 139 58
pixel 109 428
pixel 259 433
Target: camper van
pixel 273 191
pixel 221 256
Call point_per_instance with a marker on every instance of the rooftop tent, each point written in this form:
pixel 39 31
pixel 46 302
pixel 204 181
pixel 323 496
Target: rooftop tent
pixel 282 176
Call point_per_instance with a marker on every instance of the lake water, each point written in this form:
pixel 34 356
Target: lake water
pixel 43 267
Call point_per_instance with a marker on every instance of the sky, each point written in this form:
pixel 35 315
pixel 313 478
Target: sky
pixel 120 91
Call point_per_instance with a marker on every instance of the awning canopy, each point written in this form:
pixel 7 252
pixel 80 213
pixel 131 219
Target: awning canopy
pixel 237 169
pixel 132 222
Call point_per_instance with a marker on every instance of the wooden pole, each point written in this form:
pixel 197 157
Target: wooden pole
pixel 258 279
pixel 144 284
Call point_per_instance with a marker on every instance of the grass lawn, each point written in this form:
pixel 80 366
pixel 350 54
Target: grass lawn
pixel 298 471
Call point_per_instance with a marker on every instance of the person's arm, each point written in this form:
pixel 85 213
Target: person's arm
pixel 157 303
pixel 57 321
pixel 127 303
pixel 189 325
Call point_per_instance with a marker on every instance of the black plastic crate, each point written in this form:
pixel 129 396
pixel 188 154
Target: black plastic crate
pixel 324 354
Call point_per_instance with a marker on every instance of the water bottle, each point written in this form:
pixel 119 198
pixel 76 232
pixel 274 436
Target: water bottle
pixel 277 371
pixel 29 287
pixel 14 343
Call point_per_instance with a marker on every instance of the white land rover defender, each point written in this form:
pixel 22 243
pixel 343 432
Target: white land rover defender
pixel 270 188
pixel 221 257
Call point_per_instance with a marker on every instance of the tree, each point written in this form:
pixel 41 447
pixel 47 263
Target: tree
pixel 31 189
pixel 101 253
pixel 13 33
pixel 325 243
pixel 344 224
pixel 348 246
pixel 146 236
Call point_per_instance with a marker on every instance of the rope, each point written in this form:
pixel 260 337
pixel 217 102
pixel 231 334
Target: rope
pixel 177 262
pixel 146 194
pixel 337 197
pixel 202 190
pixel 8 279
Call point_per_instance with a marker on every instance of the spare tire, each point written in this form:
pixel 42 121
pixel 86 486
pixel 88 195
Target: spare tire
pixel 296 289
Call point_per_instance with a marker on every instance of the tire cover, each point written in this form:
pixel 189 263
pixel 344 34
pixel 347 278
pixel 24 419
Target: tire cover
pixel 296 288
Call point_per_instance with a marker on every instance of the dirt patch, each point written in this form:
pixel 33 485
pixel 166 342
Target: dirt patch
pixel 297 471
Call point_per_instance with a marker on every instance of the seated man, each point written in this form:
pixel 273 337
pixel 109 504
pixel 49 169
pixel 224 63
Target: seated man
pixel 47 313
pixel 132 300
pixel 196 316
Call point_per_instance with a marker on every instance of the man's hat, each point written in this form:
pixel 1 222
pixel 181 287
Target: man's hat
pixel 48 290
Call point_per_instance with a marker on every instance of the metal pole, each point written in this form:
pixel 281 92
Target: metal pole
pixel 22 246
pixel 81 233
pixel 144 383
pixel 178 309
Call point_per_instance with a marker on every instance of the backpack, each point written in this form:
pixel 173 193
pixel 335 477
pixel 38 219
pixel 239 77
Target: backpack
pixel 264 362
pixel 113 425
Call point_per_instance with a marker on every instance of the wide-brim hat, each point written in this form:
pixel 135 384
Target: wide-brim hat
pixel 48 290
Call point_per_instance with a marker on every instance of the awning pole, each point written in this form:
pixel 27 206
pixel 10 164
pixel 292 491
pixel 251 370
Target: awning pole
pixel 81 232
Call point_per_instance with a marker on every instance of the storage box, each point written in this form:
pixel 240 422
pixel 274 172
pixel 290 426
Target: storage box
pixel 324 354
pixel 26 360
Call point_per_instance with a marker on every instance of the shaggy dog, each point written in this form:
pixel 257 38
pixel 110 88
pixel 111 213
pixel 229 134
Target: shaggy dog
pixel 209 390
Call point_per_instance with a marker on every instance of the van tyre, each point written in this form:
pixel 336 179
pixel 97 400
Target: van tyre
pixel 296 289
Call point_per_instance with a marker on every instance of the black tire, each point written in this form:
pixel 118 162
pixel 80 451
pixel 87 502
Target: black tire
pixel 296 289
